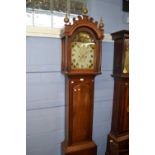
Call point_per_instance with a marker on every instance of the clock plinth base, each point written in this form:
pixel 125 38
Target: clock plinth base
pixel 118 145
pixel 83 148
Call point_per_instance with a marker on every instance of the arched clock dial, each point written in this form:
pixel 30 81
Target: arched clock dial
pixel 82 52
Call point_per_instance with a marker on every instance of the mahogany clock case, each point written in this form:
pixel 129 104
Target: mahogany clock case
pixel 79 87
pixel 79 116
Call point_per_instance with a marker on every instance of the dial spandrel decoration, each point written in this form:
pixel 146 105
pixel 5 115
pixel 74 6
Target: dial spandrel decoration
pixel 82 51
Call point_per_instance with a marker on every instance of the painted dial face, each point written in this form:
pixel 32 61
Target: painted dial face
pixel 83 52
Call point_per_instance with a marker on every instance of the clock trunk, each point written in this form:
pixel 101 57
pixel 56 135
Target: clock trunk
pixel 79 112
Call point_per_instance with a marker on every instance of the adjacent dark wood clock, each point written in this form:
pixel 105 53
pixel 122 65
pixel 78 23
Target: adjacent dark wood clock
pixel 118 139
pixel 81 62
pixel 125 5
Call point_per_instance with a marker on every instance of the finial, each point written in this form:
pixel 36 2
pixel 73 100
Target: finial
pixel 66 19
pixel 101 24
pixel 84 10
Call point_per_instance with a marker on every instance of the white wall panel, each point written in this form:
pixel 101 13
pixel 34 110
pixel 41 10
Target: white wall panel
pixel 45 90
pixel 45 120
pixel 43 54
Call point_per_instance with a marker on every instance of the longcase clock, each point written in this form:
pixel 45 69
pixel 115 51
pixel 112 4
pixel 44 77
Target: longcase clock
pixel 81 62
pixel 118 138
